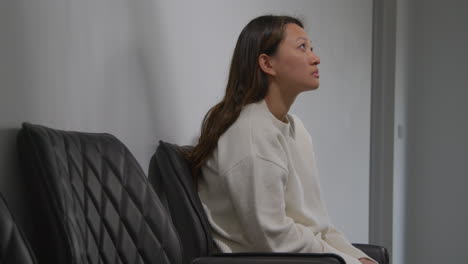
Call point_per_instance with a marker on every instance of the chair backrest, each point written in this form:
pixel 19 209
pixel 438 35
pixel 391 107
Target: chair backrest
pixel 14 247
pixel 170 175
pixel 96 205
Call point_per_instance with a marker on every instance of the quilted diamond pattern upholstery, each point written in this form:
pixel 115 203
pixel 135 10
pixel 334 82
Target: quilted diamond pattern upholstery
pixel 14 248
pixel 99 205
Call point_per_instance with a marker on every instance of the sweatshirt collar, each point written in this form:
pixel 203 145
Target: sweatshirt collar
pixel 286 129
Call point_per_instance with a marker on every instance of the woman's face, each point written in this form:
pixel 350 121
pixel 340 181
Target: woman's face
pixel 295 63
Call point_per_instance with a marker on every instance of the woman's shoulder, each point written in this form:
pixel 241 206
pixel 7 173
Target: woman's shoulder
pixel 252 134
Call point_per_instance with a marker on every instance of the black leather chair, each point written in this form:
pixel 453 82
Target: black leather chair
pixel 170 175
pixel 96 206
pixel 14 247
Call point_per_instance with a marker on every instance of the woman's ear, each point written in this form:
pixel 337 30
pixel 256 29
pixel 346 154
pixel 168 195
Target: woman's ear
pixel 265 63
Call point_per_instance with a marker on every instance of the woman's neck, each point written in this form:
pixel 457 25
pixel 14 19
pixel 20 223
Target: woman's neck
pixel 279 103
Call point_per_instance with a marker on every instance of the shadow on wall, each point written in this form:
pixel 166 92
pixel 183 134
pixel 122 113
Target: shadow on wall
pixel 155 64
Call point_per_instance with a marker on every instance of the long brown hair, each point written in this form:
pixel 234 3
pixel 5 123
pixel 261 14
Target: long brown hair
pixel 247 83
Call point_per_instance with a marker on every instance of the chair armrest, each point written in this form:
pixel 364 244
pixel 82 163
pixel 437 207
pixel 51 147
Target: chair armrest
pixel 270 258
pixel 378 253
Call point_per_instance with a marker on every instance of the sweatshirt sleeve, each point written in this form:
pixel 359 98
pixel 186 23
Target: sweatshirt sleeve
pixel 255 186
pixel 336 239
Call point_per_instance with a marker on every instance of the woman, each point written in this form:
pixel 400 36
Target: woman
pixel 258 182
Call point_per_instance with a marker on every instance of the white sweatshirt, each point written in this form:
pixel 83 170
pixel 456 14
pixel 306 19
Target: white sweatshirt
pixel 261 192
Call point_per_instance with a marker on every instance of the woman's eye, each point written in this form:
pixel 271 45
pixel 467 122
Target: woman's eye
pixel 303 46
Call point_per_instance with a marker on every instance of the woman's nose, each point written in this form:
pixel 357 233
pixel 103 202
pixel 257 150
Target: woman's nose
pixel 314 59
pixel 317 59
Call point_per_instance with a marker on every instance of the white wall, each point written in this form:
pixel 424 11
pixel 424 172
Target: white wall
pixel 432 155
pixel 149 70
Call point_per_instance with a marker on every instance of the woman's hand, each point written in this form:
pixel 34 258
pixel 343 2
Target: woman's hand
pixel 366 261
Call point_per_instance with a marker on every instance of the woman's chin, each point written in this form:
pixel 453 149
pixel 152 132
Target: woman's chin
pixel 314 86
